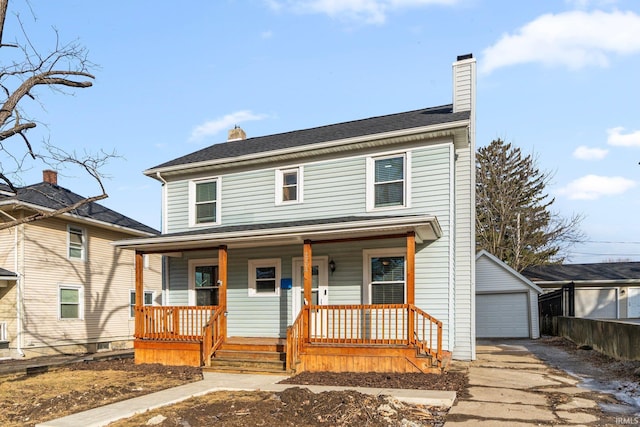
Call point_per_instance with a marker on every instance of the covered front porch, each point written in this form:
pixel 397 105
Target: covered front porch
pixel 384 330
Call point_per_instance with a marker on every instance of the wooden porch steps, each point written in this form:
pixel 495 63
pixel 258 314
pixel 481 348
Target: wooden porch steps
pixel 254 355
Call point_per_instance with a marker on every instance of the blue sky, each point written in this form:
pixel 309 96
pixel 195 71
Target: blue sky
pixel 559 79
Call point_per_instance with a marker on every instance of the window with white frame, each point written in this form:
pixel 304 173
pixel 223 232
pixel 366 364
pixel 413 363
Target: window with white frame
pixel 204 287
pixel 70 302
pixel 76 243
pixel 204 196
pixel 289 185
pixel 388 181
pixel 147 300
pixel 264 277
pixel 386 276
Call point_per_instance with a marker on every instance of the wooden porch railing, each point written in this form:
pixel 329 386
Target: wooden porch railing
pixel 373 324
pixel 213 335
pixel 172 323
pixel 295 339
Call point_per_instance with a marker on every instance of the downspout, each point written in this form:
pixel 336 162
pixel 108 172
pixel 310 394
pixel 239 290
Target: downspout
pixel 163 225
pixel 18 294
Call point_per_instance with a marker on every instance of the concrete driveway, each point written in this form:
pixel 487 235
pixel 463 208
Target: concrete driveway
pixel 510 386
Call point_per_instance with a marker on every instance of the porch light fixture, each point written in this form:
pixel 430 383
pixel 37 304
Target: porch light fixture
pixel 332 266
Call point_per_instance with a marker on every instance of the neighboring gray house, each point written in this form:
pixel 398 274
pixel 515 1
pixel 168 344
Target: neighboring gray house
pixel 506 301
pixel 608 290
pixel 340 229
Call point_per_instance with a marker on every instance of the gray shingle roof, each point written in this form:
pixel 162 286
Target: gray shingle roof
pixel 298 138
pixel 7 273
pixel 52 196
pixel 583 272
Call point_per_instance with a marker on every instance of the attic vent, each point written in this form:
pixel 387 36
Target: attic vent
pixel 236 134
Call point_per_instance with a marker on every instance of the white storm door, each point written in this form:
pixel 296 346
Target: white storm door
pixel 319 291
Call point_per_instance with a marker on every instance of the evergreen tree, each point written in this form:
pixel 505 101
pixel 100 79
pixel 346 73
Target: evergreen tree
pixel 513 217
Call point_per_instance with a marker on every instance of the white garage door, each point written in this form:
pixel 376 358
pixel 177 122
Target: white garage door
pixel 502 315
pixel 596 303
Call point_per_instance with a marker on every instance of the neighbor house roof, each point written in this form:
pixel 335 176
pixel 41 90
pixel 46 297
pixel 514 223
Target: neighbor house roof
pixel 584 273
pixel 7 275
pixel 51 197
pixel 339 131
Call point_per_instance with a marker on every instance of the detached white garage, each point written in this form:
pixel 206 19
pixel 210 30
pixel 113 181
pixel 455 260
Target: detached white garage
pixel 506 301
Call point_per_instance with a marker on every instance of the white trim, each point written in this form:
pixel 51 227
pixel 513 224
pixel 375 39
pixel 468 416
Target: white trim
pixel 191 286
pixel 4 336
pixel 192 201
pixel 367 254
pixel 508 269
pixel 370 180
pixel 266 262
pixel 279 184
pixel 451 332
pixel 80 289
pixel 310 147
pixel 83 232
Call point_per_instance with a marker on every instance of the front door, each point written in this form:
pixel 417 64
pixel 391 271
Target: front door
pixel 319 290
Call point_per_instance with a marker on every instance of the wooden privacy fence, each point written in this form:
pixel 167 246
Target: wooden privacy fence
pixel 172 323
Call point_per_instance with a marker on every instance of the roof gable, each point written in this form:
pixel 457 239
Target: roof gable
pixel 502 265
pixel 333 132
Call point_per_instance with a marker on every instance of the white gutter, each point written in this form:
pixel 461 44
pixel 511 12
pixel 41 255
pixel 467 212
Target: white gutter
pixel 163 227
pixel 318 146
pixel 18 293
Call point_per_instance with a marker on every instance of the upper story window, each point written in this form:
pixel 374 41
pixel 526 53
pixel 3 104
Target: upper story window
pixel 388 181
pixel 76 243
pixel 289 185
pixel 204 197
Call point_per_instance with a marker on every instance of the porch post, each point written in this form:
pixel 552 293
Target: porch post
pixel 411 284
pixel 307 278
pixel 139 318
pixel 411 267
pixel 222 290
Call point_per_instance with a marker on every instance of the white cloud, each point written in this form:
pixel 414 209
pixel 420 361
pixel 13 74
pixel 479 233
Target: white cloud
pixel 618 139
pixel 266 34
pixel 592 187
pixel 212 127
pixel 573 39
pixel 587 153
pixel 365 11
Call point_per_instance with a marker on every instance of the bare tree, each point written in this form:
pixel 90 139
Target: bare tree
pixel 65 67
pixel 514 220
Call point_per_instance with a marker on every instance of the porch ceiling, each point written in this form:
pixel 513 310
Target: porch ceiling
pixel 426 228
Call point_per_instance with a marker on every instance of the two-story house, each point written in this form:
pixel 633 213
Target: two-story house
pixel 64 287
pixel 348 246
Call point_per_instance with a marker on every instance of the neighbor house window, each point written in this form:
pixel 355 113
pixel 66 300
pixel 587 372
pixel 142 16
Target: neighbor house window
pixel 76 243
pixel 205 201
pixel 264 277
pixel 388 181
pixel 148 300
pixel 203 282
pixel 70 299
pixel 289 185
pixel 386 276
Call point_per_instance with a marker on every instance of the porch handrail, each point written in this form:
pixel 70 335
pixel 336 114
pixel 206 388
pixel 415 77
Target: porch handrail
pixel 423 332
pixel 295 340
pixel 212 335
pixel 172 323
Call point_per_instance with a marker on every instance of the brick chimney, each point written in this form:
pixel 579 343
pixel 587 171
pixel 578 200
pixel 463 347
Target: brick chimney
pixel 50 176
pixel 236 134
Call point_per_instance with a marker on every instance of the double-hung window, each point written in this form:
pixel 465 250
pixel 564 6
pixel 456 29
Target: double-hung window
pixel 264 277
pixel 205 201
pixel 203 282
pixel 76 243
pixel 387 276
pixel 148 300
pixel 289 185
pixel 388 181
pixel 70 302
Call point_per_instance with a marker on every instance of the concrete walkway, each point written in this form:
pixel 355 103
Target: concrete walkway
pixel 509 386
pixel 218 382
